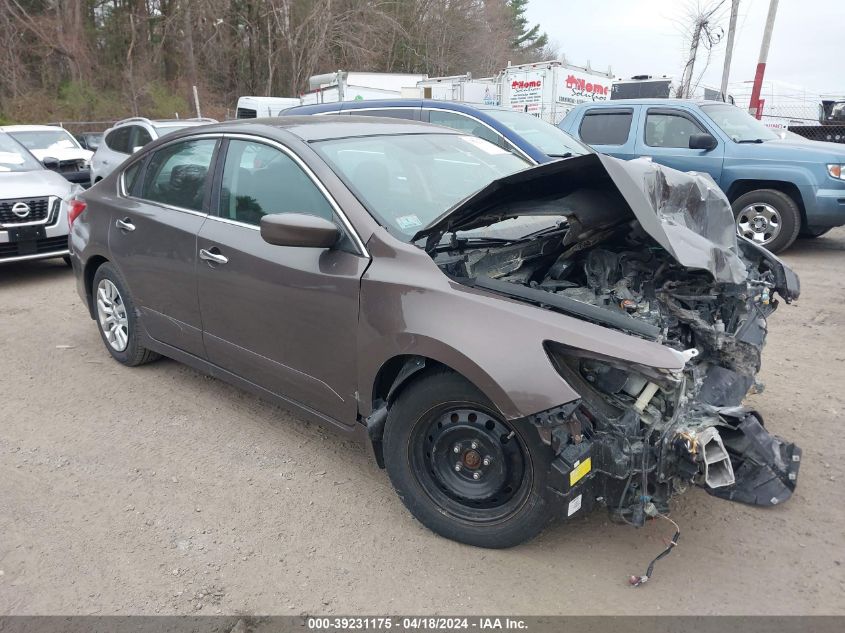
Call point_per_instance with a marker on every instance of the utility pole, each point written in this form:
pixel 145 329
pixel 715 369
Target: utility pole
pixel 686 78
pixel 754 107
pixel 729 49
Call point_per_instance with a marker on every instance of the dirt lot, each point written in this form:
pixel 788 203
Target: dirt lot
pixel 159 490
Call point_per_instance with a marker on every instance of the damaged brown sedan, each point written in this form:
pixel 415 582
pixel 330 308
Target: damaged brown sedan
pixel 515 343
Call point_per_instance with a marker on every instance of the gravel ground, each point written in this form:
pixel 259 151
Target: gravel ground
pixel 160 490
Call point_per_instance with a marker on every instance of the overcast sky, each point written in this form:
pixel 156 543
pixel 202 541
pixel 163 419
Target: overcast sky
pixel 644 37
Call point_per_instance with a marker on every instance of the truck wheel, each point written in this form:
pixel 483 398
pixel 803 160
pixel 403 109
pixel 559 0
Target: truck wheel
pixel 767 217
pixel 117 318
pixel 462 470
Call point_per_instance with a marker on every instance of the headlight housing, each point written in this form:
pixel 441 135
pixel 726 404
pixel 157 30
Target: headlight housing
pixel 836 171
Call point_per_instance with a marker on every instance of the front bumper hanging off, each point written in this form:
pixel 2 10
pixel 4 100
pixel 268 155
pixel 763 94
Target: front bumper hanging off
pixel 765 466
pixel 759 469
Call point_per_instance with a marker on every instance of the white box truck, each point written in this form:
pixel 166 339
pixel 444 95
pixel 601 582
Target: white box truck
pixel 253 107
pixel 357 86
pixel 455 88
pixel 551 89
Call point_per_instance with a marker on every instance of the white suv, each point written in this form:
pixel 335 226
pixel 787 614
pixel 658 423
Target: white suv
pixel 128 136
pixel 55 147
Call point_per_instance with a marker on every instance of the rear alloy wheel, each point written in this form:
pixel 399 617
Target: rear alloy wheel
pixel 117 318
pixel 767 217
pixel 111 314
pixel 462 470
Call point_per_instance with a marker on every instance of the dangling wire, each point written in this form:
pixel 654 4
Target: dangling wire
pixel 636 581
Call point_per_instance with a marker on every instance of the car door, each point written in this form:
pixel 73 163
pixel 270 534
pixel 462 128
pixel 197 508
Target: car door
pixel 665 138
pixel 283 318
pixel 610 130
pixel 153 237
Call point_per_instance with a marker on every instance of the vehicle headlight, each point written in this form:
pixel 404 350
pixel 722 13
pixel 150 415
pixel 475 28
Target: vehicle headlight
pixel 837 171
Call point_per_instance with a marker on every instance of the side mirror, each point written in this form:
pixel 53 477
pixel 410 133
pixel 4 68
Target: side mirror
pixel 50 163
pixel 137 148
pixel 706 142
pixel 299 229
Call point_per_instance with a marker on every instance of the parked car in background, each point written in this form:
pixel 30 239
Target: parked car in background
pixel 90 140
pixel 345 268
pixel 778 188
pixel 49 143
pixel 126 137
pixel 518 132
pixel 33 206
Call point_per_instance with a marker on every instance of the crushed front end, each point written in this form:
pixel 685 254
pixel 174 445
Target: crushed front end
pixel 665 266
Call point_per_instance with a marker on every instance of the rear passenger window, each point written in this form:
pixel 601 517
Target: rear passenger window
pixel 663 129
pixel 118 140
pixel 259 180
pixel 606 128
pixel 130 176
pixel 177 174
pixel 464 124
pixel 391 113
pixel 141 137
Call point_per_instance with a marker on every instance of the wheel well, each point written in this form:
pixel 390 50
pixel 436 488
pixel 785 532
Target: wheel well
pixel 405 366
pixel 91 267
pixel 741 187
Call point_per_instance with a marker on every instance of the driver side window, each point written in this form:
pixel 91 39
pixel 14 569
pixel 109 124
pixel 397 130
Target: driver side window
pixel 259 180
pixel 669 130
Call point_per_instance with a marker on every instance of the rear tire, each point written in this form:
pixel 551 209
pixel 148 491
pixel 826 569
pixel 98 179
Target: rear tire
pixel 117 318
pixel 809 234
pixel 768 217
pixel 460 468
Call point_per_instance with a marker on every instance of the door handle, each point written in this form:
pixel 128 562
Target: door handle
pixel 217 258
pixel 125 225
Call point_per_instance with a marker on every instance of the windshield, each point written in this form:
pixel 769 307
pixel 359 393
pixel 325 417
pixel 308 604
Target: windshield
pixel 45 139
pixel 13 157
pixel 740 126
pixel 409 180
pixel 544 136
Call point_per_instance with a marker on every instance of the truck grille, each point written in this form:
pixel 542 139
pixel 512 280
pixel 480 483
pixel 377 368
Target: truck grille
pixel 39 210
pixel 245 113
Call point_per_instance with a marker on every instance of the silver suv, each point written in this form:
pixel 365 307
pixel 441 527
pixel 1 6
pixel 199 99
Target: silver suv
pixel 33 206
pixel 128 136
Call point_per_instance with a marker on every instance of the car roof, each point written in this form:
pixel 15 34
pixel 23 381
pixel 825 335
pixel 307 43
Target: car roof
pixel 404 103
pixel 31 128
pixel 163 122
pixel 310 128
pixel 653 101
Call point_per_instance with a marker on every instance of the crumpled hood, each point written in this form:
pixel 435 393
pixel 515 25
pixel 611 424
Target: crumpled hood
pixel 33 184
pixel 62 153
pixel 686 213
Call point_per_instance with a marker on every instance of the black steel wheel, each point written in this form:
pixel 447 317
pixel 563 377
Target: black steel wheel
pixel 470 463
pixel 460 468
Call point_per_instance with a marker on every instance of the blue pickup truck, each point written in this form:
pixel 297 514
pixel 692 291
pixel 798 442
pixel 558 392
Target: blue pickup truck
pixel 779 188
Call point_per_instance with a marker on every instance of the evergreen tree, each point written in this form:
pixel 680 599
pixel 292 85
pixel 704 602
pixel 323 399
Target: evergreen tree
pixel 527 39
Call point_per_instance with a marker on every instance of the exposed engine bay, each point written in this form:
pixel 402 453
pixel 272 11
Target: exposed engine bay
pixel 658 261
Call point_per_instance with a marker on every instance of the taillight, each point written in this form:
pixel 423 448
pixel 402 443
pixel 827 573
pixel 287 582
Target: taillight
pixel 75 207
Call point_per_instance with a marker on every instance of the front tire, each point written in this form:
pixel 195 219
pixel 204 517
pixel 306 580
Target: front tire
pixel 767 217
pixel 460 468
pixel 117 318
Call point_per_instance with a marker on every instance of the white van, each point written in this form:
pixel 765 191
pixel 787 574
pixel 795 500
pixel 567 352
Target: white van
pixel 256 107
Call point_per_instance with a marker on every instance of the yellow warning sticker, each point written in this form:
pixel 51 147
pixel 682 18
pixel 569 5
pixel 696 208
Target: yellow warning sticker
pixel 579 471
